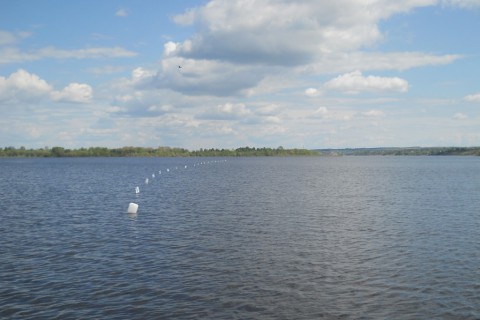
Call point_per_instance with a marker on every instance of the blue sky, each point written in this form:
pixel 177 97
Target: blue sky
pixel 313 74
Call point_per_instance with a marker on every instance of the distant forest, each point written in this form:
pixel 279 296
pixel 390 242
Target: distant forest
pixel 57 152
pixel 412 151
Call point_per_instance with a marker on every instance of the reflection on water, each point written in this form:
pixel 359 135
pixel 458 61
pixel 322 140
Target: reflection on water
pixel 269 238
pixel 133 215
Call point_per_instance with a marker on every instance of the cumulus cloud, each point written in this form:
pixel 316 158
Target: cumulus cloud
pixel 332 114
pixel 74 92
pixel 22 86
pixel 312 92
pixel 284 32
pixel 228 111
pixel 142 77
pixel 241 114
pixel 206 77
pixel 473 97
pixel 239 44
pixel 355 82
pixel 169 48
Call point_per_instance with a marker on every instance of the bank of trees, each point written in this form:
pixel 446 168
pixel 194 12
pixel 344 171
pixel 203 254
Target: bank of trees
pixel 413 151
pixel 150 152
pixel 239 152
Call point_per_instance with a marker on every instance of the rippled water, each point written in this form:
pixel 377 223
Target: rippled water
pixel 259 238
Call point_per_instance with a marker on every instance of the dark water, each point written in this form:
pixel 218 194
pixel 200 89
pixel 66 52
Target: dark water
pixel 253 238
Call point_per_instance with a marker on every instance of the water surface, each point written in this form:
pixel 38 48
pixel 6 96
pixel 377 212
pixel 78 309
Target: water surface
pixel 259 238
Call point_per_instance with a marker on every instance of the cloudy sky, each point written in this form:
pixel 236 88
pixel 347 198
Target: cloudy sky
pixel 291 73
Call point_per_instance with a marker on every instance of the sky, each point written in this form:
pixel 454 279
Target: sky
pixel 233 73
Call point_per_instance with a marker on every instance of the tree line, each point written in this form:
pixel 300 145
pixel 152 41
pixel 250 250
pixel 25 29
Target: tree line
pixel 57 152
pixel 411 151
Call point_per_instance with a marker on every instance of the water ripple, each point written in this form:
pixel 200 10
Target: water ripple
pixel 269 238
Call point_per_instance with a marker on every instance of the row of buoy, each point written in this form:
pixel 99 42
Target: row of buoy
pixel 133 207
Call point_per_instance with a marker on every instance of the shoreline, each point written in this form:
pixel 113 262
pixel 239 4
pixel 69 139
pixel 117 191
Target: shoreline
pixel 60 152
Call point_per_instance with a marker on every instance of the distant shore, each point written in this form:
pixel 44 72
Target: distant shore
pixel 60 152
pixel 410 151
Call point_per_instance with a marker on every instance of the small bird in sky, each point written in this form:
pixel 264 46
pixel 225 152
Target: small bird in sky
pixel 179 67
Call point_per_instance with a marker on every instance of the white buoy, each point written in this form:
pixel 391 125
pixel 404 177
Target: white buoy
pixel 168 170
pixel 185 167
pixel 153 175
pixel 137 190
pixel 132 208
pixel 146 181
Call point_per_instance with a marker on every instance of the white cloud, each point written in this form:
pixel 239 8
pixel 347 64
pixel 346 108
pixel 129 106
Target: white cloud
pixel 344 62
pixel 142 76
pixel 374 113
pixel 122 12
pixel 162 109
pixel 321 111
pixel 23 86
pixel 169 48
pixel 206 77
pixel 333 115
pixel 473 97
pixel 460 116
pixel 74 92
pixel 228 111
pixel 89 53
pixel 108 69
pixel 267 110
pixel 239 44
pixel 284 32
pixel 355 82
pixel 312 92
pixel 14 55
pixel 114 109
pixel 462 3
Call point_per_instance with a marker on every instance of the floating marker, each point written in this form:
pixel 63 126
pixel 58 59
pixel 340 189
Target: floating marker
pixel 153 175
pixel 137 190
pixel 132 208
pixel 146 181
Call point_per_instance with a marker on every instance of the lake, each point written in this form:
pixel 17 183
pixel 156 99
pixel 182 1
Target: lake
pixel 240 238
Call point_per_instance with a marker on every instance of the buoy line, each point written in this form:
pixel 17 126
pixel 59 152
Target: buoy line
pixel 133 207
